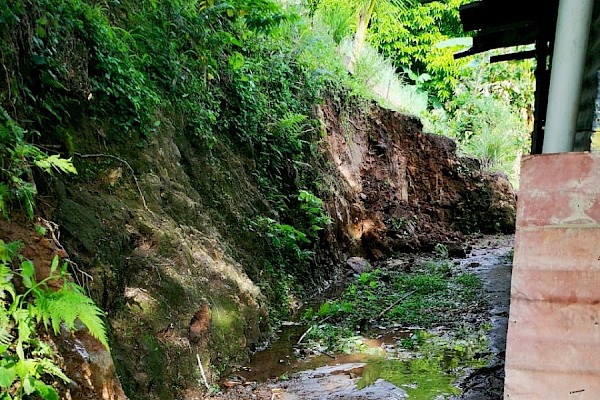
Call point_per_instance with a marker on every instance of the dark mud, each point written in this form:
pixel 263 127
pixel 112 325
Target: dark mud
pixel 282 372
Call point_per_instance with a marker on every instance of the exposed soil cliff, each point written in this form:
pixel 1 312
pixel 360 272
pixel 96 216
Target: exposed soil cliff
pixel 175 263
pixel 402 189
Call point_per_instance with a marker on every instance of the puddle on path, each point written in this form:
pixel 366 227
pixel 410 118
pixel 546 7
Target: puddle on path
pixel 383 369
pixel 283 357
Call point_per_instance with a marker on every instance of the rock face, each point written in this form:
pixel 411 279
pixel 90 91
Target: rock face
pixel 358 265
pixel 175 287
pixel 402 189
pixel 90 366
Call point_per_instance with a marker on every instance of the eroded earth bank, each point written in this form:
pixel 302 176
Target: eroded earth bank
pixel 170 239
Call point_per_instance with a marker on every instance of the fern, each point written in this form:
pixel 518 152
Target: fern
pixel 67 305
pixel 25 359
pixel 18 159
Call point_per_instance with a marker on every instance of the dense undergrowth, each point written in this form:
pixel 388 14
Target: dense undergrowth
pixel 240 74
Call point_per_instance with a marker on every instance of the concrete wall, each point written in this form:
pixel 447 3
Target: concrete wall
pixel 553 345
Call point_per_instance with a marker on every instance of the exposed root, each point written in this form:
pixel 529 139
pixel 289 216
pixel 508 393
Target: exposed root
pixel 137 185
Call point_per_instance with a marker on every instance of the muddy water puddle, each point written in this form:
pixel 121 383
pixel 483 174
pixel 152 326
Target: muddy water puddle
pixel 285 356
pixel 383 366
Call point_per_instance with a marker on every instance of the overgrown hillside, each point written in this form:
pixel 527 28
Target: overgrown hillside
pixel 214 186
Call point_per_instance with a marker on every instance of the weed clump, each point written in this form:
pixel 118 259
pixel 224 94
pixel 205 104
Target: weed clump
pixel 431 295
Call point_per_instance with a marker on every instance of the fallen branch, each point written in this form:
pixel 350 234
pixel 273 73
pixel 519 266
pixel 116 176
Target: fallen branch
pixel 202 371
pixel 394 304
pixel 137 185
pixel 310 329
pixel 304 335
pixel 328 354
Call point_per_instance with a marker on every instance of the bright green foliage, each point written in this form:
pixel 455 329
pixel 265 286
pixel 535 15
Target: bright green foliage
pixel 491 113
pixel 338 17
pixel 428 296
pixel 313 207
pixel 410 36
pixel 18 157
pixel 26 363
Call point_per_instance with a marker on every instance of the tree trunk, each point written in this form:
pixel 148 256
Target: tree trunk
pixel 364 17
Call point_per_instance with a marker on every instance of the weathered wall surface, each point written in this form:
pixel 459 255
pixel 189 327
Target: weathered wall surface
pixel 554 324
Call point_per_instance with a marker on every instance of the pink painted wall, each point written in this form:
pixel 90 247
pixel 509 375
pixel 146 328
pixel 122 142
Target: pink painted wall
pixel 553 344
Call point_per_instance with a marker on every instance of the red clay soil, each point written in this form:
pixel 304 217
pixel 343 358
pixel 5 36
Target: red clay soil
pixel 405 190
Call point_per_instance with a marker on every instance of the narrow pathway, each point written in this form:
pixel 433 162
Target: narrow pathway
pixel 494 259
pixel 331 377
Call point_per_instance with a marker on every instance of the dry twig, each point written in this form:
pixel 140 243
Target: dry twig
pixel 128 167
pixel 394 304
pixel 202 371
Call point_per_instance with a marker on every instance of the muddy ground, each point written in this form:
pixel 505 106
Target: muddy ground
pixel 489 257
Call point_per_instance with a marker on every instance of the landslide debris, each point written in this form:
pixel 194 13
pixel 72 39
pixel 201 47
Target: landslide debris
pixel 401 189
pixel 184 217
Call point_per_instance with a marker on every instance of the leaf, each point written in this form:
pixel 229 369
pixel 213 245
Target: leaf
pixel 24 329
pixel 68 304
pixel 4 199
pixel 38 59
pixel 54 265
pixel 45 391
pixel 61 164
pixel 7 376
pixel 236 61
pixel 27 273
pixel 29 384
pixel 47 366
pixel 21 355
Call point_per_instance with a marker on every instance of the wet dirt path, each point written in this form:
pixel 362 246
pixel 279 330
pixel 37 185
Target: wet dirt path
pixel 494 259
pixel 282 372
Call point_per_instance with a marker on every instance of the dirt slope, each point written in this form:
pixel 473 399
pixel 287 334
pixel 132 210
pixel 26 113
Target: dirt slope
pixel 401 189
pixel 174 263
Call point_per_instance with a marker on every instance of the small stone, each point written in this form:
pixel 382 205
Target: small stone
pixel 358 264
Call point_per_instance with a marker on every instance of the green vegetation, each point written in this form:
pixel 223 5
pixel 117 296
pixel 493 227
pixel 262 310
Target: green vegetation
pixel 241 77
pixel 28 365
pixel 18 159
pixel 408 65
pixel 428 362
pixel 430 295
pixel 434 372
